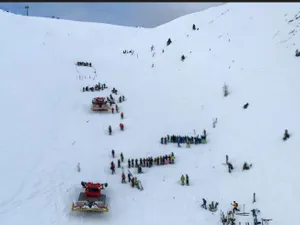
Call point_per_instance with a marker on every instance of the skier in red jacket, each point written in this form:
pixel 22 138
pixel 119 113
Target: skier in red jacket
pixel 112 167
pixel 121 126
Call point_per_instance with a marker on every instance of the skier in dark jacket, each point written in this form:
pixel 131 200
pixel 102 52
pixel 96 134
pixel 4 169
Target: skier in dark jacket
pixel 144 162
pixel 122 115
pixel 136 163
pixel 129 163
pixel 122 157
pixel 139 169
pixel 132 182
pixel 119 163
pixel 109 130
pixel 187 180
pixel 113 153
pixel 165 140
pixel 286 135
pixel 112 167
pixel 123 178
pixel 129 177
pixel 204 204
pixel 162 140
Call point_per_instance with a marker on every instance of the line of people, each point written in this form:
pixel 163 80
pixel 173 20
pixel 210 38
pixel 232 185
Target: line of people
pixel 84 64
pixel 150 161
pixel 97 87
pixel 184 139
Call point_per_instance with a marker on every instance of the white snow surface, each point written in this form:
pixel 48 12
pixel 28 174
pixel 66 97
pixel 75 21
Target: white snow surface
pixel 48 127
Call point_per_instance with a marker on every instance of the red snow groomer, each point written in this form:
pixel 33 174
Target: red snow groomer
pixel 92 200
pixel 99 104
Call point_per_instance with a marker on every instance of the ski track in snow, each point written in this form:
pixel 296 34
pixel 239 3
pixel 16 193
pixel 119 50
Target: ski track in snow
pixel 48 126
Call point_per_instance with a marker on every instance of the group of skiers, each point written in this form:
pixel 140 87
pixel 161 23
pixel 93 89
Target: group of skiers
pixel 132 180
pixel 121 125
pixel 150 161
pixel 128 52
pixel 211 207
pixel 185 180
pixel 97 87
pixel 121 98
pixel 113 109
pixel 84 64
pixel 114 91
pixel 184 139
pixel 143 162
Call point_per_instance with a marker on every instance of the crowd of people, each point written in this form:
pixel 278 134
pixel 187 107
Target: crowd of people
pixel 184 139
pixel 97 87
pixel 84 64
pixel 150 161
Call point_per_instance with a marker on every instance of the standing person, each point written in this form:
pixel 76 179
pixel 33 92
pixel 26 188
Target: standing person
pixel 112 110
pixel 182 180
pixel 129 163
pixel 113 153
pixel 112 167
pixel 122 157
pixel 122 115
pixel 187 143
pixel 123 178
pixel 117 108
pixel 132 182
pixel 109 130
pixel 119 163
pixel 129 177
pixel 235 206
pixel 204 204
pixel 187 180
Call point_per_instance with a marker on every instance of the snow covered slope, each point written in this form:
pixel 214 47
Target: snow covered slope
pixel 47 125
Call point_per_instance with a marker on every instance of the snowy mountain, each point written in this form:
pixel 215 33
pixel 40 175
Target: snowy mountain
pixel 48 126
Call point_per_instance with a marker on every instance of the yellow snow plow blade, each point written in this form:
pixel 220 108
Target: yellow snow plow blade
pixel 104 209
